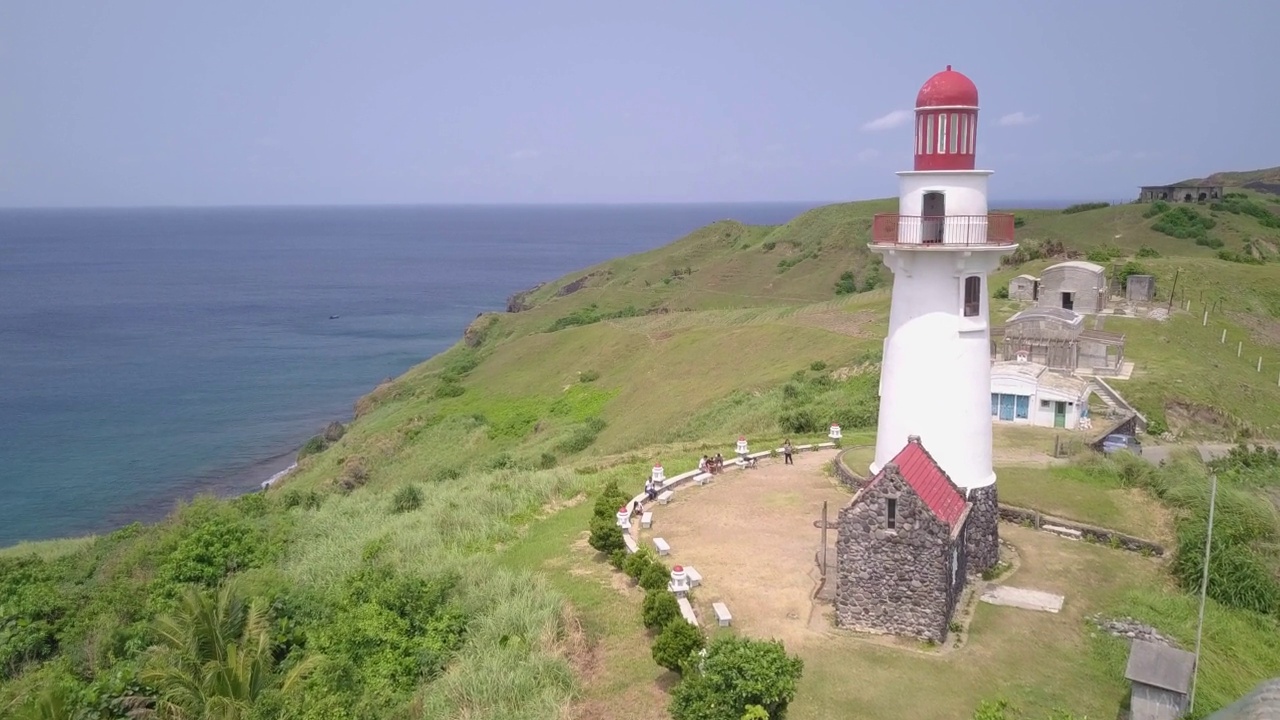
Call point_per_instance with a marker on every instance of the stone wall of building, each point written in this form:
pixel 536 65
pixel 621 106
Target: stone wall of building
pixel 846 474
pixel 982 532
pixel 1023 288
pixel 895 581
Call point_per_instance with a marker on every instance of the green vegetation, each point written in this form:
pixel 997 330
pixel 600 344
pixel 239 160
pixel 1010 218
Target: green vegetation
pixel 429 559
pixel 1084 207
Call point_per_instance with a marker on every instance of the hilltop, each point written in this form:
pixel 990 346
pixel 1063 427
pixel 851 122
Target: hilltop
pixel 1265 180
pixel 429 559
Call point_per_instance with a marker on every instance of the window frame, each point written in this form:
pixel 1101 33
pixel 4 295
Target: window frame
pixel 891 513
pixel 972 307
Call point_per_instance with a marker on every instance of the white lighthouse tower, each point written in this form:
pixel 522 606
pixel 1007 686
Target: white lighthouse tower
pixel 935 380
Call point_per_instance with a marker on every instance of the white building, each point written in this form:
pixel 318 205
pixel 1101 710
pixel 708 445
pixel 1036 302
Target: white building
pixel 942 243
pixel 1027 393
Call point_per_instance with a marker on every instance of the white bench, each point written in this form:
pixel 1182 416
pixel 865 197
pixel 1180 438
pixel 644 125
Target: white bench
pixel 663 547
pixel 1065 532
pixel 695 578
pixel 646 520
pixel 802 448
pixel 686 611
pixel 630 542
pixel 665 496
pixel 823 446
pixel 702 479
pixel 722 614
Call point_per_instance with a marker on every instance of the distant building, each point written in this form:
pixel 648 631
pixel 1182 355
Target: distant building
pixel 900 549
pixel 1140 288
pixel 1025 288
pixel 1027 393
pixel 1180 193
pixel 1160 678
pixel 1058 339
pixel 1074 285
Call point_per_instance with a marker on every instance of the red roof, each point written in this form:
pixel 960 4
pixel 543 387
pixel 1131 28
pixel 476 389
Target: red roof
pixel 948 88
pixel 929 482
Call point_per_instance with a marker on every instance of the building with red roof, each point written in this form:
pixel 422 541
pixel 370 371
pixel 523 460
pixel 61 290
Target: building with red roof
pixel 901 549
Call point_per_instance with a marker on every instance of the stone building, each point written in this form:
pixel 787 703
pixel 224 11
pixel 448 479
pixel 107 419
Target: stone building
pixel 1183 193
pixel 1160 679
pixel 1074 285
pixel 1058 339
pixel 1025 288
pixel 901 554
pixel 1140 288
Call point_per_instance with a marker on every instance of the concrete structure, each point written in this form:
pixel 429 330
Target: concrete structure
pixel 1181 193
pixel 1260 703
pixel 1022 598
pixel 901 549
pixel 1074 285
pixel 1025 288
pixel 1161 678
pixel 1028 393
pixel 658 475
pixel 834 434
pixel 1140 288
pixel 1058 339
pixel 941 245
pixel 679 583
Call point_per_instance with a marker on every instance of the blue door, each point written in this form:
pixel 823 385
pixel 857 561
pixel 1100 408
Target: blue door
pixel 1006 407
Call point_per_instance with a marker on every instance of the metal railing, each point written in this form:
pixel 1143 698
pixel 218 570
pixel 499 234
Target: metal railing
pixel 943 230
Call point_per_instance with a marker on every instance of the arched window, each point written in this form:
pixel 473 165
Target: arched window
pixel 972 296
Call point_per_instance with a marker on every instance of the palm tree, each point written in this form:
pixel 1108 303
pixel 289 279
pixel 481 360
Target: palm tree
pixel 213 658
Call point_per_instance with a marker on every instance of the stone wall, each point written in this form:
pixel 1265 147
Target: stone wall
pixel 1090 533
pixel 895 581
pixel 982 534
pixel 845 474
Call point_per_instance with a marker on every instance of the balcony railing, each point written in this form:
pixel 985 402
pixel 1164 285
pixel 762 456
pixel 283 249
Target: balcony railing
pixel 942 231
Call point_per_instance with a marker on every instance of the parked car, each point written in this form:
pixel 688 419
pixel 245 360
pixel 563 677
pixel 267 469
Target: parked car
pixel 1115 443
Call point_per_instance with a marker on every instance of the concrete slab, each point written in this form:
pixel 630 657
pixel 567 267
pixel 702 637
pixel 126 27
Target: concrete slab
pixel 1021 598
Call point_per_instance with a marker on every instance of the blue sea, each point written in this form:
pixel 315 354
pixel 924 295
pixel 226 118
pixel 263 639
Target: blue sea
pixel 147 355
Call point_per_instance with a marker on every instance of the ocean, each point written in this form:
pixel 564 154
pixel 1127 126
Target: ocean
pixel 147 355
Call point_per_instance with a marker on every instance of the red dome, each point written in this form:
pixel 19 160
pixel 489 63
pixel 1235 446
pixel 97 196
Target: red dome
pixel 948 88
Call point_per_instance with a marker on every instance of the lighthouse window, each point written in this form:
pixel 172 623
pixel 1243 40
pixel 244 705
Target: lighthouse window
pixel 928 134
pixel 964 134
pixel 954 135
pixel 973 134
pixel 891 521
pixel 942 134
pixel 919 133
pixel 972 295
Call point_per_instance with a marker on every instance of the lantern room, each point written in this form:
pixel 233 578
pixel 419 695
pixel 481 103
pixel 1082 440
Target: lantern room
pixel 946 122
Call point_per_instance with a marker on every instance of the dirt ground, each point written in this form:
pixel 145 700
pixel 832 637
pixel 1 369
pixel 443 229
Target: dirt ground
pixel 751 535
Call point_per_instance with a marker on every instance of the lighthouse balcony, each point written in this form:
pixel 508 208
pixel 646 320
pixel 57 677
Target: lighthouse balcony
pixel 943 231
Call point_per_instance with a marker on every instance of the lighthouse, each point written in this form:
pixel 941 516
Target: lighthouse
pixel 935 378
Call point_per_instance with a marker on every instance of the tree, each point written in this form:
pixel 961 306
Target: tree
pixel 736 674
pixel 659 608
pixel 676 643
pixel 213 658
pixel 606 536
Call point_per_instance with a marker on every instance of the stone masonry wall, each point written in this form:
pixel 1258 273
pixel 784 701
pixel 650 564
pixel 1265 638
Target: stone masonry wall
pixel 983 531
pixel 893 581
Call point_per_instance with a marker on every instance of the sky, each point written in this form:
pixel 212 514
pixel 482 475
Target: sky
pixel 161 103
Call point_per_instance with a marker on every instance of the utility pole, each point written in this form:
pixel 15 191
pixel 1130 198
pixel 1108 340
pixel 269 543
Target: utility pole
pixel 1204 586
pixel 1174 289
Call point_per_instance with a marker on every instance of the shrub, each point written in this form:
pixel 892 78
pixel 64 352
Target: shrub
pixel 546 461
pixel 768 245
pixel 1002 293
pixel 1083 207
pixel 448 388
pixel 1148 252
pixel 406 499
pixel 501 461
pixel 1212 243
pixel 1019 221
pixel 618 557
pixel 737 673
pixel 846 285
pixel 638 562
pixel 1237 257
pixel 1130 268
pixel 677 642
pixel 605 536
pixel 800 421
pixel 608 501
pixel 817 366
pixel 1183 222
pixel 1104 254
pixel 655 577
pixel 588 376
pixel 592 314
pixel 659 609
pixel 1158 207
pixel 316 444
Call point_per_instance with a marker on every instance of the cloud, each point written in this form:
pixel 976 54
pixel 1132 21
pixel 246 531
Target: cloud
pixel 524 154
pixel 1017 118
pixel 887 122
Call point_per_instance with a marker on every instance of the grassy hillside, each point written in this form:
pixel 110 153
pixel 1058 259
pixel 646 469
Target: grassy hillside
pixel 427 561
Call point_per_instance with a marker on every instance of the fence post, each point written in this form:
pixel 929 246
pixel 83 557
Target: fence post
pixel 1239 348
pixel 1188 306
pixel 1206 319
pixel 1259 363
pixel 1224 336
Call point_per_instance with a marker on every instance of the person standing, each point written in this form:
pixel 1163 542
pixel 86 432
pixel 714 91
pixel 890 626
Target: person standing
pixel 786 453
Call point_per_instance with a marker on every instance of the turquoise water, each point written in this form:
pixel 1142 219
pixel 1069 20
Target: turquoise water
pixel 147 355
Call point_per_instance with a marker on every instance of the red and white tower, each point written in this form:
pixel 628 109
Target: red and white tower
pixel 935 379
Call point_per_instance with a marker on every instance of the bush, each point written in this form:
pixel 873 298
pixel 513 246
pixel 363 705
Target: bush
pixel 638 562
pixel 1103 255
pixel 1183 222
pixel 546 461
pixel 608 501
pixel 817 366
pixel 846 285
pixel 588 376
pixel 1019 221
pixel 1002 292
pixel 1082 207
pixel 677 642
pixel 655 577
pixel 406 499
pixel 1212 243
pixel 1130 268
pixel 1237 257
pixel 1158 207
pixel 659 609
pixel 1148 252
pixel 606 536
pixel 448 388
pixel 316 444
pixel 592 314
pixel 768 245
pixel 737 673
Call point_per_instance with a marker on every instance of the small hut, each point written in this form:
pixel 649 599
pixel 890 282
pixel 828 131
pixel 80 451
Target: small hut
pixel 1161 678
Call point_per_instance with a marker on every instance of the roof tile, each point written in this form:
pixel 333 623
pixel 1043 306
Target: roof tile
pixel 929 481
